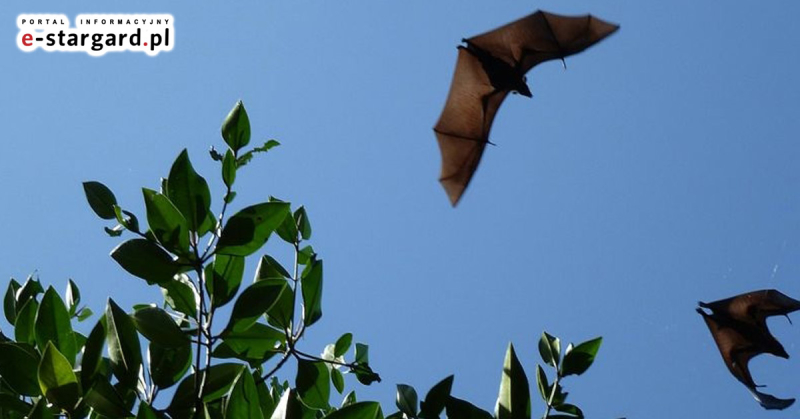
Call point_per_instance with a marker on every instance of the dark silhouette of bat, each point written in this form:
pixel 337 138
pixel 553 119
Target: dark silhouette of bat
pixel 489 67
pixel 739 327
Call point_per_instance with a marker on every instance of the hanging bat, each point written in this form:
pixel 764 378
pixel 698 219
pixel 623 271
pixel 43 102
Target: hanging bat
pixel 739 327
pixel 489 67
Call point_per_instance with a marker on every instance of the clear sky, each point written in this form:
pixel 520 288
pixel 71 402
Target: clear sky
pixel 659 169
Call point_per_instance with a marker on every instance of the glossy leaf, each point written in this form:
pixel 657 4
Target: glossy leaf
pixel 542 384
pixel 256 344
pixel 303 224
pixel 436 399
pixel 311 280
pixel 236 127
pixel 157 326
pixel 342 344
pixel 101 199
pixel 288 229
pixel 289 407
pixel 10 301
pixel 84 314
pixel 269 268
pixel 550 349
pixel 25 324
pixel 9 404
pixel 126 218
pixel 41 410
pixel 218 381
pixel 181 295
pixel 337 379
pixel 229 169
pixel 146 260
pixel 360 410
pixel 18 367
pixel 29 290
pixel 146 412
pixel 253 302
pixel 406 400
pixel 57 381
pixel 243 401
pixel 105 400
pixel 223 278
pixel 123 344
pixel 569 408
pixel 189 192
pixel 581 357
pixel 313 383
pixel 462 409
pixel 73 297
pixel 166 222
pixel 280 314
pixel 248 230
pixel 93 352
pixel 168 365
pixel 514 400
pixel 53 325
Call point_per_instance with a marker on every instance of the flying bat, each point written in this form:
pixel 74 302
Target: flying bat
pixel 739 327
pixel 489 67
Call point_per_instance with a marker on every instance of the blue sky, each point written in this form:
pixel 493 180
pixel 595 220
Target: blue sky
pixel 659 169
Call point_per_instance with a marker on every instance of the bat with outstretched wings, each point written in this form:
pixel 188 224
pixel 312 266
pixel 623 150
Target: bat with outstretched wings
pixel 490 66
pixel 739 327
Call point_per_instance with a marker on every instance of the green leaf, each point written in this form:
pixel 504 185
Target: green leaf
pixel 215 155
pixel 41 410
pixel 53 325
pixel 26 319
pixel 105 400
pixel 166 222
pixel 181 295
pixel 365 375
pixel 246 157
pixel 229 169
pixel 303 225
pixel 550 349
pixel 73 297
pixel 313 383
pixel 514 400
pixel 146 260
pixel 360 410
pixel 581 357
pixel 223 278
pixel 218 381
pixel 254 301
pixel 10 301
pixel 168 365
pixel 306 255
pixel 255 345
pixel 18 365
pixel 288 229
pixel 123 344
pixel 569 408
pixel 146 412
pixel 84 314
pixel 462 409
pixel 436 399
pixel 189 192
pixel 362 353
pixel 280 314
pixel 57 380
pixel 337 379
pixel 269 268
pixel 311 281
pixel 407 400
pixel 236 127
pixel 248 230
pixel 114 232
pixel 289 407
pixel 9 403
pixel 243 401
pixel 131 222
pixel 101 199
pixel 157 326
pixel 349 399
pixel 93 352
pixel 343 344
pixel 541 382
pixel 29 290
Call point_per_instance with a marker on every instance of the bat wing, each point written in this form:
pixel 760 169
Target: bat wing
pixel 543 36
pixel 463 128
pixel 738 325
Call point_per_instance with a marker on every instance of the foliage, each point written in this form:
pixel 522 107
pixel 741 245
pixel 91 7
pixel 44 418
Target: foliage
pixel 182 358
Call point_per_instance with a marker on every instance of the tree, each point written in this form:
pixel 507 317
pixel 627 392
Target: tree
pixel 208 367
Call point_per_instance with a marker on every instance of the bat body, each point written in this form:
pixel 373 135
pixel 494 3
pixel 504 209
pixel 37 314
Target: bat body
pixel 489 67
pixel 739 328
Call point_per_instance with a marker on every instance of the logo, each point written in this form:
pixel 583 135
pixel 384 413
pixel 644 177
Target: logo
pixel 97 34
